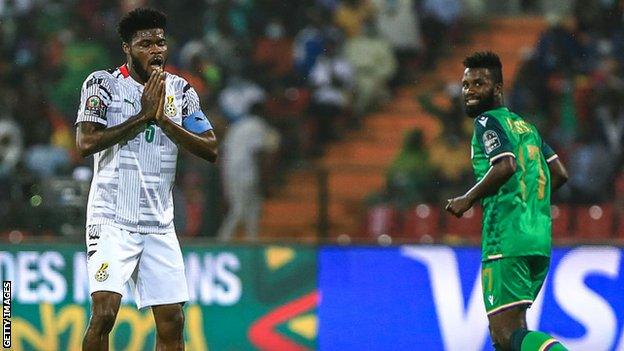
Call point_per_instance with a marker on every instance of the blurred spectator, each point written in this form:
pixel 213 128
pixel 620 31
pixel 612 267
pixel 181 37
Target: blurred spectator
pixel 309 43
pixel 410 175
pixel 11 147
pixel 609 123
pixel 448 152
pixel 559 48
pixel 374 65
pixel 224 47
pixel 237 97
pixel 440 22
pixel 592 172
pixel 331 80
pixel 273 51
pixel 286 108
pixel 352 15
pixel 398 23
pixel 248 152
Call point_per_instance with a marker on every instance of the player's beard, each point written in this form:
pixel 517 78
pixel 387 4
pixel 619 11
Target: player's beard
pixel 138 68
pixel 485 104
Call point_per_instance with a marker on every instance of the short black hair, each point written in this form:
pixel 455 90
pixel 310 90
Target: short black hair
pixel 140 19
pixel 486 59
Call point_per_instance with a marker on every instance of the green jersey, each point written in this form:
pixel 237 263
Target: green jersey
pixel 516 220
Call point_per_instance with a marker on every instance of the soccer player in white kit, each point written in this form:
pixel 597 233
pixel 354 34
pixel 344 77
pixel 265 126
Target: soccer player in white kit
pixel 132 119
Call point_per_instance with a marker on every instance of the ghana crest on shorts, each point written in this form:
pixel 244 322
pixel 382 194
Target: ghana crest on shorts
pixel 516 220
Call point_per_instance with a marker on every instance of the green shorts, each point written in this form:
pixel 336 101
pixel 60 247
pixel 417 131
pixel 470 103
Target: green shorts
pixel 512 281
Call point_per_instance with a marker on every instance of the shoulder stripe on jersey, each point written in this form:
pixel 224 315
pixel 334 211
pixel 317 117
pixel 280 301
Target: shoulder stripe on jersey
pixel 186 87
pixel 501 155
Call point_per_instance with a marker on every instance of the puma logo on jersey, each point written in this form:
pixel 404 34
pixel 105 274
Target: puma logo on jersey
pixel 491 299
pixel 130 102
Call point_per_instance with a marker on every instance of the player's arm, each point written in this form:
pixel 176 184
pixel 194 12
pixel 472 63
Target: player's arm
pixel 558 172
pixel 494 142
pixel 500 172
pixel 92 137
pixel 195 134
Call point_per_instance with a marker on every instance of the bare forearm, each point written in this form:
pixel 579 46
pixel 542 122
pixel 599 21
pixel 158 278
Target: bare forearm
pixel 91 138
pixel 204 145
pixel 558 175
pixel 498 175
pixel 487 186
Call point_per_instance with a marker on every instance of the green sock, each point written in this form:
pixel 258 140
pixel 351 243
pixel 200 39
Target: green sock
pixel 538 341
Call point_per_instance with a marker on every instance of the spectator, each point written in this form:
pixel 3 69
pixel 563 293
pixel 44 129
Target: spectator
pixel 440 25
pixel 352 15
pixel 410 175
pixel 448 151
pixel 398 23
pixel 332 80
pixel 238 96
pixel 309 43
pixel 273 51
pixel 248 150
pixel 374 65
pixel 592 172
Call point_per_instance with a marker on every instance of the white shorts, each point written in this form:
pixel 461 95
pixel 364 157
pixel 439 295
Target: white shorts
pixel 151 263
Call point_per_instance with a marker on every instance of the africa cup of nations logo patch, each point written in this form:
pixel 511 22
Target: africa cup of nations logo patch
pixel 93 102
pixel 101 274
pixel 170 108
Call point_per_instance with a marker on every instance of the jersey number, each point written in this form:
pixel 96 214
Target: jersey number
pixel 150 133
pixel 534 155
pixel 486 278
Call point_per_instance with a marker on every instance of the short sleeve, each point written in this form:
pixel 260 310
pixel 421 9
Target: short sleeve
pixel 193 119
pixel 95 99
pixel 492 138
pixel 548 152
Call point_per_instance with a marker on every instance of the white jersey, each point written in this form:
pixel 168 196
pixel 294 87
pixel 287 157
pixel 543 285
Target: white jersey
pixel 133 180
pixel 242 141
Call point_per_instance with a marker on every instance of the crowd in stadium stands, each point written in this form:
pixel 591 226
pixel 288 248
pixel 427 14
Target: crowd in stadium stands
pixel 570 85
pixel 315 67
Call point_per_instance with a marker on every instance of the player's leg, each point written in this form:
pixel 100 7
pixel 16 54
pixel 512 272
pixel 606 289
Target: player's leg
pixel 527 340
pixel 510 286
pixel 112 255
pixel 104 307
pixel 253 209
pixel 169 327
pixel 504 323
pixel 235 197
pixel 161 268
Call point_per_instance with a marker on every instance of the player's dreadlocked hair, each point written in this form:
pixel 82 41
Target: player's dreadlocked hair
pixel 486 59
pixel 140 19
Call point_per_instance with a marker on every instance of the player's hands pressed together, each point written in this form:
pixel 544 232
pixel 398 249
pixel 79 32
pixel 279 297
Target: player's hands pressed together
pixel 153 94
pixel 159 116
pixel 457 206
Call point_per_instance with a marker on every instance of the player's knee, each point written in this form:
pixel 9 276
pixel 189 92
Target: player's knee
pixel 501 336
pixel 102 321
pixel 172 326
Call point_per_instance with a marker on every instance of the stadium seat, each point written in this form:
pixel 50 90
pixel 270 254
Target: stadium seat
pixel 382 219
pixel 422 223
pixel 561 215
pixel 468 226
pixel 594 221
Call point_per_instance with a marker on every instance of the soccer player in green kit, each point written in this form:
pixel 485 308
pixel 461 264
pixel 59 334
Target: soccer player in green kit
pixel 516 172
